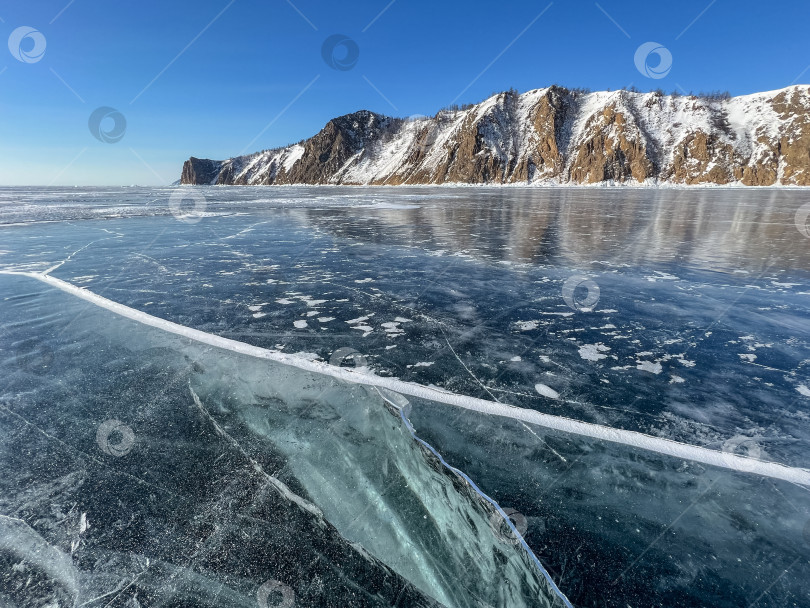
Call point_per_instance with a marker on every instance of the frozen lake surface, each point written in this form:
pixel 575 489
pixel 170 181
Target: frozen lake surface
pixel 145 466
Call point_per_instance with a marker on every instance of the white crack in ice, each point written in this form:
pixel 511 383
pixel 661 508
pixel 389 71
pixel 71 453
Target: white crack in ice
pixel 630 438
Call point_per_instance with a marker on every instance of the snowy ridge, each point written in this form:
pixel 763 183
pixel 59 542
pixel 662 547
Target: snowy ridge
pixel 550 136
pixel 629 438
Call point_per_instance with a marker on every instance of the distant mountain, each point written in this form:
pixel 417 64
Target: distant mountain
pixel 549 136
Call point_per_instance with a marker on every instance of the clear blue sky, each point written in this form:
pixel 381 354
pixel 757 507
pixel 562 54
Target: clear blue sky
pixel 256 59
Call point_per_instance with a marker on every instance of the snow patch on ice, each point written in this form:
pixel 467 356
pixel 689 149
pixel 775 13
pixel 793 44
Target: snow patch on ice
pixel 593 352
pixel 546 391
pixel 654 367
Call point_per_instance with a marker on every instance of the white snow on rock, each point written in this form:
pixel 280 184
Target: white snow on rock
pixel 395 151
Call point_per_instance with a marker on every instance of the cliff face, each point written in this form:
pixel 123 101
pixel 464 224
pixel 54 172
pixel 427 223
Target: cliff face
pixel 549 136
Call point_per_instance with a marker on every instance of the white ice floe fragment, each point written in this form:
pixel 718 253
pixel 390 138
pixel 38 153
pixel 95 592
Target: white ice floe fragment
pixel 310 302
pixel 325 319
pixel 544 358
pixel 402 320
pixel 392 328
pixel 593 352
pixel 527 325
pixel 255 308
pixel 285 301
pixel 366 280
pixel 654 367
pixel 390 346
pixel 516 358
pixel 662 276
pixel 366 328
pixel 803 390
pixel 300 324
pixel 546 391
pixel 686 363
pixel 676 379
pixel 312 313
pixel 259 315
pixel 607 310
pixel 750 357
pixel 422 364
pixel 83 525
pixel 359 319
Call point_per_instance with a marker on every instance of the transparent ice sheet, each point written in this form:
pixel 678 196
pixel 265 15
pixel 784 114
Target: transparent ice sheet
pixel 142 464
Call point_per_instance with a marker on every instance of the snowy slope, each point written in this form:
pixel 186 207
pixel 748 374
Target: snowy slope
pixel 550 136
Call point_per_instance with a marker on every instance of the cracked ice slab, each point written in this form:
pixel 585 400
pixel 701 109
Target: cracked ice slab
pixel 660 445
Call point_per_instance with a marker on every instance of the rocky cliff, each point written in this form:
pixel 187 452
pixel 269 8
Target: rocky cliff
pixel 549 136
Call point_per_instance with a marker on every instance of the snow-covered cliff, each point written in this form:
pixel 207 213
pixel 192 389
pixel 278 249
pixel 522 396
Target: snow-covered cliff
pixel 549 136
